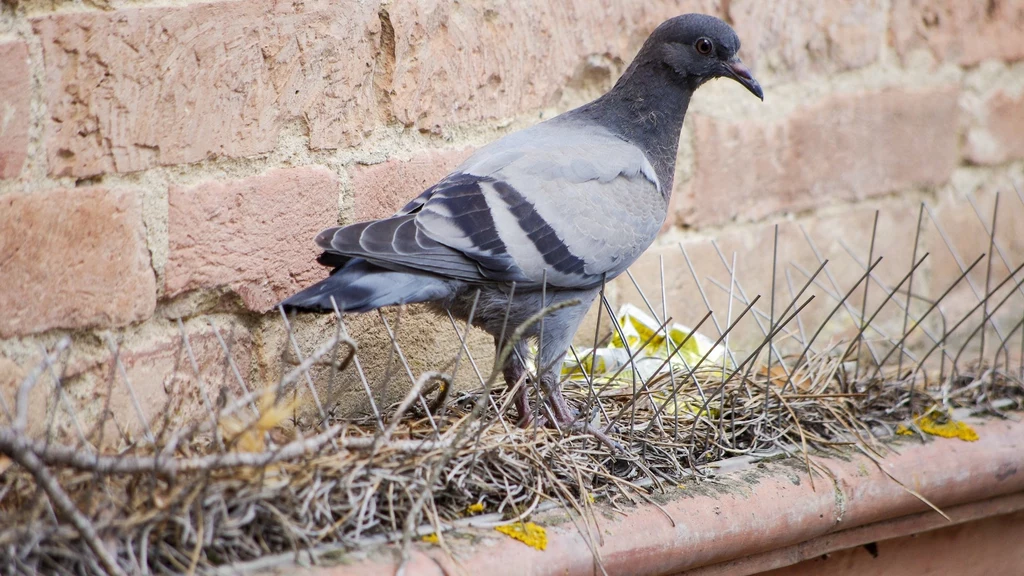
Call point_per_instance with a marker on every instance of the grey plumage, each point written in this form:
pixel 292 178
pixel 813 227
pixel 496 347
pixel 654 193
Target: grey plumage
pixel 554 210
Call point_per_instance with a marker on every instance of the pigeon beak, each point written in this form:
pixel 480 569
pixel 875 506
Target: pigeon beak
pixel 740 73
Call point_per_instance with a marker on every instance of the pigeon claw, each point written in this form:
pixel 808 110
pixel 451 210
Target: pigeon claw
pixel 557 414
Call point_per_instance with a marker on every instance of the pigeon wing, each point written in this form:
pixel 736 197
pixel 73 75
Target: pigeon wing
pixel 554 202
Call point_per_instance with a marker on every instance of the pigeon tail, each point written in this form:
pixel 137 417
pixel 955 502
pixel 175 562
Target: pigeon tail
pixel 360 286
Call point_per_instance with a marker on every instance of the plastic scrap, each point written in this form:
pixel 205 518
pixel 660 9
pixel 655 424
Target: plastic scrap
pixel 638 327
pixel 612 367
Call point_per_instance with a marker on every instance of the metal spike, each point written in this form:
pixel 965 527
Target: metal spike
pixel 64 399
pixel 864 303
pixel 231 364
pixel 906 309
pixel 668 350
pixel 890 296
pixel 842 301
pixel 968 315
pixel 799 320
pixel 298 354
pixel 920 321
pixel 988 314
pixel 359 370
pixel 469 324
pixel 207 404
pixel 835 286
pixel 143 421
pixel 771 314
pixel 408 371
pixel 464 342
pixel 704 297
pixel 956 256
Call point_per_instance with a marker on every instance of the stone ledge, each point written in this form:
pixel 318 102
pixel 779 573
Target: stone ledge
pixel 752 518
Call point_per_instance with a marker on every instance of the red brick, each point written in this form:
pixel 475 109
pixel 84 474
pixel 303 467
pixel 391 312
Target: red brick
pixel 806 36
pixel 380 190
pixel 73 259
pixel 958 31
pixel 139 87
pixel 478 60
pixel 998 137
pixel 15 94
pixel 253 235
pixel 842 147
pixel 161 375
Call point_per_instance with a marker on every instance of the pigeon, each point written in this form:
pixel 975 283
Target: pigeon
pixel 540 218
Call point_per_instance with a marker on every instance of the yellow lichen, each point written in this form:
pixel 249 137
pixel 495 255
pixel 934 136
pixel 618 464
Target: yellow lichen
pixel 475 508
pixel 430 538
pixel 528 533
pixel 940 424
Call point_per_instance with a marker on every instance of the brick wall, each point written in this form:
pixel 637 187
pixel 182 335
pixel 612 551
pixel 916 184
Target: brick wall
pixel 165 160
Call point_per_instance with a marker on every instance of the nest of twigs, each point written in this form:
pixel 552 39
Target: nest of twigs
pixel 252 486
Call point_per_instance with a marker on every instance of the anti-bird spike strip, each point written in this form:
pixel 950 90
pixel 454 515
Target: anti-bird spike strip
pixel 406 470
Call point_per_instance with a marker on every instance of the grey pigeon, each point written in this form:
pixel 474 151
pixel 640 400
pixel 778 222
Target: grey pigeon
pixel 547 213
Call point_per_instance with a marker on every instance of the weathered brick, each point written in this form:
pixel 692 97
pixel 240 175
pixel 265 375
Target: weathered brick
pixel 134 88
pixel 482 60
pixel 160 371
pixel 793 39
pixel 11 377
pixel 15 94
pixel 957 31
pixel 253 235
pixel 753 247
pixel 73 259
pixel 998 136
pixel 969 238
pixel 842 147
pixel 382 189
pixel 427 340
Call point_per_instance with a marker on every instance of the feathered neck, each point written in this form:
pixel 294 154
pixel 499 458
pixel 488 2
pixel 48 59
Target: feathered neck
pixel 646 107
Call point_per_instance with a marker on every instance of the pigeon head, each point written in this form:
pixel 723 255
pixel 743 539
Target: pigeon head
pixel 698 48
pixel 648 103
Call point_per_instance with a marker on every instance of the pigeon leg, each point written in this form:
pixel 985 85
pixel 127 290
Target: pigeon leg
pixel 560 328
pixel 514 371
pixel 563 414
pixel 566 417
pixel 555 336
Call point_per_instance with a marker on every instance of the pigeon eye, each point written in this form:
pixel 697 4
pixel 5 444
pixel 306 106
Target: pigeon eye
pixel 703 45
